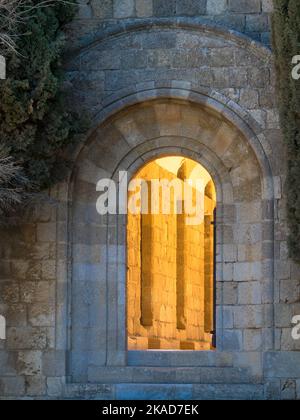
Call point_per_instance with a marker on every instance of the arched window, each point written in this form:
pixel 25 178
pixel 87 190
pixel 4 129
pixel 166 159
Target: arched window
pixel 171 257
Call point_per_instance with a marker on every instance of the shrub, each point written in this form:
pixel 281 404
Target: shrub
pixel 286 41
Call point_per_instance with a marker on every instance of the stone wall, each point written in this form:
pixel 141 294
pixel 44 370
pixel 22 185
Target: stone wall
pixel 251 17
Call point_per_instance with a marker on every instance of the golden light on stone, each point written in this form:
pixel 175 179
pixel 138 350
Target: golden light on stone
pixel 170 280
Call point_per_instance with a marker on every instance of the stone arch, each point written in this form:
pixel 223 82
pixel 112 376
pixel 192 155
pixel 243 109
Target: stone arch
pixel 210 98
pixel 143 127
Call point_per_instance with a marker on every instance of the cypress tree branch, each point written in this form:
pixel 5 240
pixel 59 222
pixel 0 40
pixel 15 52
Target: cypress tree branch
pixel 286 42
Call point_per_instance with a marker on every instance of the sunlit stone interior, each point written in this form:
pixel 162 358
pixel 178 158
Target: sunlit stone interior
pixel 170 241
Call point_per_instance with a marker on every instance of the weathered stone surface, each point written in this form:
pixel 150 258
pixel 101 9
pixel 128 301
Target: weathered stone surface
pixel 12 386
pixel 288 390
pixel 162 8
pixel 273 390
pixel 282 364
pixel 224 392
pixel 35 386
pixel 248 316
pixel 190 7
pixel 144 8
pixel 252 340
pixel 123 8
pixel 26 338
pixel 267 6
pixel 232 340
pixel 54 363
pixel 29 363
pixel 102 9
pixel 216 7
pixel 41 315
pixel 58 273
pixel 250 293
pixel 245 6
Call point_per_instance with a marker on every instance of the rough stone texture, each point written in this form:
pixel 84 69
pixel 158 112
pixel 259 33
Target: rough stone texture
pixel 244 6
pixel 163 8
pixel 65 266
pixel 123 8
pixel 249 17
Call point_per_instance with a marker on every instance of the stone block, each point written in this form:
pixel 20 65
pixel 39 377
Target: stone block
pixel 37 292
pixel 12 386
pixel 84 11
pixel 124 8
pixel 230 293
pixel 229 253
pixel 249 98
pixel 190 7
pixel 247 271
pixel 298 389
pixel 227 392
pixel 26 338
pixel 272 390
pixel 252 340
pixel 8 363
pixel 288 390
pixel 54 363
pixel 257 23
pixel 232 340
pixel 282 365
pixel 35 386
pixel 244 6
pixel 41 315
pixel 248 234
pixel 49 270
pixel 46 232
pixel 164 8
pixel 144 8
pixel 228 318
pixel 289 291
pixel 250 253
pixel 9 292
pixel 229 77
pixel 144 392
pixel 102 9
pixel 267 6
pixel 29 363
pixel 219 57
pixel 251 361
pixel 227 269
pixel 248 316
pixel 249 293
pixel 55 387
pixel 287 342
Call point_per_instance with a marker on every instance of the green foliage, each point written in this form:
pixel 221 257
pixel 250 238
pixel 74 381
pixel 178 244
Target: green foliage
pixel 36 125
pixel 13 184
pixel 286 41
